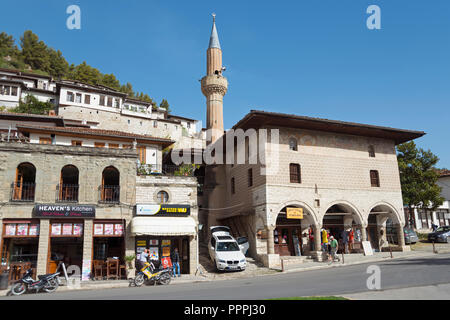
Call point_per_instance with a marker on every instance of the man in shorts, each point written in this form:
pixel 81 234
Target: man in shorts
pixel 334 247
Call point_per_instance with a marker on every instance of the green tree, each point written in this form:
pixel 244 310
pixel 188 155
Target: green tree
pixel 418 177
pixel 111 81
pixel 165 105
pixel 85 73
pixel 34 52
pixel 32 105
pixel 7 45
pixel 59 67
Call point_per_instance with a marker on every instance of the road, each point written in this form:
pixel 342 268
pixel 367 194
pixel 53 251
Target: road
pixel 399 273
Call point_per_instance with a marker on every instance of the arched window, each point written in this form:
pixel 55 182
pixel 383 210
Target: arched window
pixel 68 186
pixel 293 144
pixel 25 183
pixel 110 189
pixel 162 197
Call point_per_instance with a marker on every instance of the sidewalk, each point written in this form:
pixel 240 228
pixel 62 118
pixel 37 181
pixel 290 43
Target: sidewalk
pixel 354 259
pixel 109 284
pixel 436 292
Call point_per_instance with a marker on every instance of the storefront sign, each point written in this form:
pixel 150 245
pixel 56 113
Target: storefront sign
pixel 166 210
pixel 21 229
pixel 64 211
pixel 86 270
pixel 294 213
pixel 154 254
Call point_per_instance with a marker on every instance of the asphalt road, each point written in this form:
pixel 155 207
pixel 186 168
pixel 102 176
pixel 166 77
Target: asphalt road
pixel 399 273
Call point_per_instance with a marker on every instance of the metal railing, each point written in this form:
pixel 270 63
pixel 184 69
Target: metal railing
pixel 109 194
pixel 67 193
pixel 187 170
pixel 22 191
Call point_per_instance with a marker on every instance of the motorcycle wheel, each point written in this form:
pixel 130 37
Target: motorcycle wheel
pixel 139 280
pixel 18 288
pixel 51 286
pixel 165 279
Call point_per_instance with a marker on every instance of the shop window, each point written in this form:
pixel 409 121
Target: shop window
pixel 162 197
pixel 68 187
pixel 24 185
pixel 110 189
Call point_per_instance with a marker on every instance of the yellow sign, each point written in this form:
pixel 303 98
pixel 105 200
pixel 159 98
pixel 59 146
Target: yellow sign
pixel 294 213
pixel 141 243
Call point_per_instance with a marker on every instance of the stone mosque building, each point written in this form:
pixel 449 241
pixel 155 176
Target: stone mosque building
pixel 341 175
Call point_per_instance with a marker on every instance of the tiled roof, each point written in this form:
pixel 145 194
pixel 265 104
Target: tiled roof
pixel 444 173
pixel 97 132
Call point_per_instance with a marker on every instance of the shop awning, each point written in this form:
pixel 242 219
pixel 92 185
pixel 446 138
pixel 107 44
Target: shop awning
pixel 163 226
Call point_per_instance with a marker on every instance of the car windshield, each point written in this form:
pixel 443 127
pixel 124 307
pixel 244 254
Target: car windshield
pixel 227 246
pixel 443 229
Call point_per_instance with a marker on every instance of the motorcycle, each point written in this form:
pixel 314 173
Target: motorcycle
pixel 47 282
pixel 151 274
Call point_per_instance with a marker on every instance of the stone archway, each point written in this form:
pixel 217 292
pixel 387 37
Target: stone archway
pixel 384 227
pixel 281 228
pixel 344 222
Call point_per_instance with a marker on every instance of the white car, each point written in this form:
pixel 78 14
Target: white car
pixel 225 252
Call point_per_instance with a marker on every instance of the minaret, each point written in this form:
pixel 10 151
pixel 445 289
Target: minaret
pixel 214 86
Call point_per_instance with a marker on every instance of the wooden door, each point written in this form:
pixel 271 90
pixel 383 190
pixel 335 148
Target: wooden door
pixel 18 185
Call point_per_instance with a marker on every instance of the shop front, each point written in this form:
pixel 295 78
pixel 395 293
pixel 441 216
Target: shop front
pixel 287 233
pixel 19 246
pixel 67 228
pixel 161 229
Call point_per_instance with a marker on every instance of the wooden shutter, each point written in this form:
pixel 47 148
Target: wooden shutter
pixel 374 178
pixel 294 172
pixel 142 154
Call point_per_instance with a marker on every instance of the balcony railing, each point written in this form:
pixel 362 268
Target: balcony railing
pixel 67 193
pixel 187 170
pixel 109 194
pixel 22 191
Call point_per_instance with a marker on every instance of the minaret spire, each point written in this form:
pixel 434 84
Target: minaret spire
pixel 214 39
pixel 214 85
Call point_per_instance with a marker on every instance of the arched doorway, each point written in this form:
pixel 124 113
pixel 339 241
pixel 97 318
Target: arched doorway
pixel 289 230
pixel 68 186
pixel 110 188
pixel 24 184
pixel 383 227
pixel 343 222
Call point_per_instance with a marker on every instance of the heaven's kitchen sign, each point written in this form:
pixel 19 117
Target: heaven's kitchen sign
pixel 166 210
pixel 63 211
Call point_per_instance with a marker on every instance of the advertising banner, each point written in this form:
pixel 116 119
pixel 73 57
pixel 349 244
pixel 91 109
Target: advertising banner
pixel 165 210
pixel 294 213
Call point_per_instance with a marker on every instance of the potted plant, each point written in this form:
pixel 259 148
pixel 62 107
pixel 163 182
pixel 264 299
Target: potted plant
pixel 129 264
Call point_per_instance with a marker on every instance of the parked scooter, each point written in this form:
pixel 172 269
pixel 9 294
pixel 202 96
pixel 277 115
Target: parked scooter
pixel 151 274
pixel 47 282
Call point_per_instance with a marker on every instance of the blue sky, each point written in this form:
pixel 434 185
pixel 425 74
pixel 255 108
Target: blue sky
pixel 306 57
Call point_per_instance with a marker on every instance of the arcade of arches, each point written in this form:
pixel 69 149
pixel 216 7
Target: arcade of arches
pixel 303 237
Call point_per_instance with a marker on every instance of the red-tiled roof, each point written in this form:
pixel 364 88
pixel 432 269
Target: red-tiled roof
pixel 444 173
pixel 112 134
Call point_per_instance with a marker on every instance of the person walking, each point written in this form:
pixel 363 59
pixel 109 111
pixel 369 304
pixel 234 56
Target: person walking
pixel 334 247
pixel 176 262
pixel 311 238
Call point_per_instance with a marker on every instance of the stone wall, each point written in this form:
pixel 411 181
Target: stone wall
pixel 48 161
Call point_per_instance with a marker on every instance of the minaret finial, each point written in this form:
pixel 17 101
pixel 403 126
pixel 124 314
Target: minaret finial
pixel 214 40
pixel 214 17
